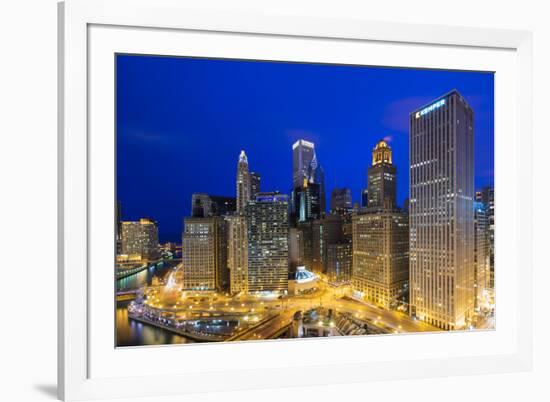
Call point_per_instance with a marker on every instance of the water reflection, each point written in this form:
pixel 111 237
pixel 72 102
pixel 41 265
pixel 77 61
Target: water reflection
pixel 133 333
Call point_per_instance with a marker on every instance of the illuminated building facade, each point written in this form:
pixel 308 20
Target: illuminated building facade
pixel 302 155
pixel 481 255
pixel 441 209
pixel 307 200
pixel 380 236
pixel 381 177
pixel 237 253
pixel 204 254
pixel 308 197
pixel 243 183
pixel 140 239
pixel 339 262
pixel 267 226
pixel 381 256
pixel 487 197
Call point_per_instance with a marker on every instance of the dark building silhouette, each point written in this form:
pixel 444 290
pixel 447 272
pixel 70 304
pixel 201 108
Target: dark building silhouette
pixel 340 200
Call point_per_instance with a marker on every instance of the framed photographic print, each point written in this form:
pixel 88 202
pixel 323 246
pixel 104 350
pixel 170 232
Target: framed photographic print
pixel 315 200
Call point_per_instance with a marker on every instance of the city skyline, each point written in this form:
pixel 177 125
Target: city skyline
pixel 173 157
pixel 313 238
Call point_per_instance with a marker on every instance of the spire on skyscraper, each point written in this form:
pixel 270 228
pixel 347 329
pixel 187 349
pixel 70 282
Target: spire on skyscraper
pixel 242 157
pixel 243 183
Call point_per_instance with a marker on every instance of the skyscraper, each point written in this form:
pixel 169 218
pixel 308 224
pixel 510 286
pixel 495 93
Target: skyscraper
pixel 441 209
pixel 380 235
pixel 267 226
pixel 307 200
pixel 204 254
pixel 237 253
pixel 243 183
pixel 140 238
pixel 481 255
pixel 302 154
pixel 381 177
pixel 339 262
pixel 340 200
pixel 255 186
pixel 487 197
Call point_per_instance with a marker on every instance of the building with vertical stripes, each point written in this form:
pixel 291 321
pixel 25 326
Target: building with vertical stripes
pixel 441 210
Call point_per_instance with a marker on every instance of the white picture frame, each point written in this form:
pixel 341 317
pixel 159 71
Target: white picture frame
pixel 80 378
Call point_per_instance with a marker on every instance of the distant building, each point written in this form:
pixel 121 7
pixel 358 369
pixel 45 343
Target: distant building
pixel 306 171
pixel 339 262
pixel 487 197
pixel 205 205
pixel 237 253
pixel 118 234
pixel 255 185
pixel 340 200
pixel 267 226
pixel 381 178
pixel 295 249
pixel 204 254
pixel 302 154
pixel 307 201
pixel 442 212
pixel 481 255
pixel 140 238
pixel 365 198
pixel 244 190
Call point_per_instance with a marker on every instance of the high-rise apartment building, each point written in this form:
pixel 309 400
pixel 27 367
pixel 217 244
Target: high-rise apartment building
pixel 243 183
pixel 140 239
pixel 267 226
pixel 441 154
pixel 204 254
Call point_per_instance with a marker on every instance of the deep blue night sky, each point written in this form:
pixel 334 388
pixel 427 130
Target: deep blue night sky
pixel 181 123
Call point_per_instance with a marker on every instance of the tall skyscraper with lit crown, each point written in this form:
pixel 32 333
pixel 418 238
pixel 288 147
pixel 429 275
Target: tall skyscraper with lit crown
pixel 243 183
pixel 380 235
pixel 381 177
